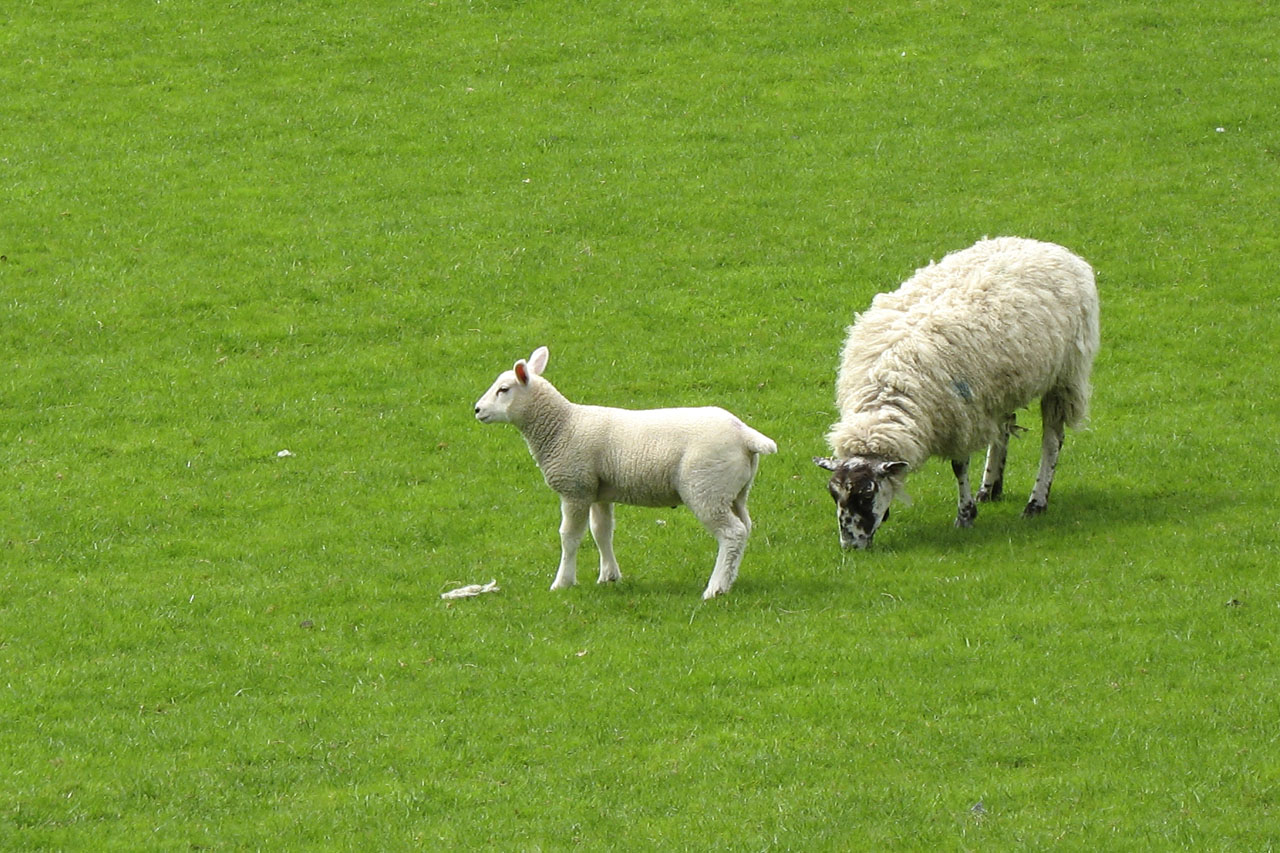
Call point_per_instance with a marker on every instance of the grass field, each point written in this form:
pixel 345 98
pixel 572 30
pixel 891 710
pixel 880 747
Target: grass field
pixel 229 230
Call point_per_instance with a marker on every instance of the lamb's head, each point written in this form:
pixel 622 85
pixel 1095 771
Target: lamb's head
pixel 510 392
pixel 863 487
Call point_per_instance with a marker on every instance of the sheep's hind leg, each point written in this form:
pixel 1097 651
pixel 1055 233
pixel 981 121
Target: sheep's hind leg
pixel 731 532
pixel 1050 447
pixel 966 509
pixel 602 533
pixel 993 475
pixel 573 526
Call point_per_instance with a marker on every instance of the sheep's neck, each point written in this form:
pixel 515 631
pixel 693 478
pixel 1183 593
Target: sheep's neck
pixel 886 426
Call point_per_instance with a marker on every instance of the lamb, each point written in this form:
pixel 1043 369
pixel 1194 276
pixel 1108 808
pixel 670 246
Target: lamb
pixel 594 456
pixel 939 366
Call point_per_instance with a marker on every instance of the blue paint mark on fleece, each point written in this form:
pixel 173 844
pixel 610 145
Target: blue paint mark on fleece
pixel 963 389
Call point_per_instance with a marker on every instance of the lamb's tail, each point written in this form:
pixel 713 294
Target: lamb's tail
pixel 757 442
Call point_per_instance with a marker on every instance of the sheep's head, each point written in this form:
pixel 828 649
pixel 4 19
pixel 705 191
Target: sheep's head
pixel 506 397
pixel 862 487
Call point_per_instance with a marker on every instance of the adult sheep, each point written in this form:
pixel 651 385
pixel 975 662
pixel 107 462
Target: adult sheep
pixel 594 456
pixel 939 366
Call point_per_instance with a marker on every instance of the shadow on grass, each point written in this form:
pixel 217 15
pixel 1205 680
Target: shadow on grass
pixel 1070 513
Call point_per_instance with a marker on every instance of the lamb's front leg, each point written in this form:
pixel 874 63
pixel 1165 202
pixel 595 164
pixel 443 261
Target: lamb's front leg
pixel 966 509
pixel 602 532
pixel 573 525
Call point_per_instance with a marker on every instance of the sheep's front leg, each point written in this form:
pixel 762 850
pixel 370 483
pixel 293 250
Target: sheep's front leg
pixel 573 525
pixel 966 509
pixel 993 475
pixel 602 532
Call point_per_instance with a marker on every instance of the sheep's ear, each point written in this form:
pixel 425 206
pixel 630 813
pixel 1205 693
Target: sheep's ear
pixel 538 361
pixel 892 469
pixel 522 372
pixel 824 462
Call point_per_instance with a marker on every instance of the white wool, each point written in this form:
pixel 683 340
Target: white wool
pixel 934 367
pixel 594 456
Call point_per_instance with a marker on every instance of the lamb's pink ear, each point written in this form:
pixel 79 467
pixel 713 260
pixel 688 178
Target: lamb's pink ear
pixel 538 361
pixel 522 372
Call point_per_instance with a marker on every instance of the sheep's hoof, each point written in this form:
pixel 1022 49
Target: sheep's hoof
pixel 561 584
pixel 1033 509
pixel 991 495
pixel 966 515
pixel 711 593
pixel 610 578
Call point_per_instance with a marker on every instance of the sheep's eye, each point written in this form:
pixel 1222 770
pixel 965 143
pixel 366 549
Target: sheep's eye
pixel 504 389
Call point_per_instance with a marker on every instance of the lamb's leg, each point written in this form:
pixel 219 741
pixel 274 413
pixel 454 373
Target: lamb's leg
pixel 993 476
pixel 602 533
pixel 966 509
pixel 740 510
pixel 573 525
pixel 731 533
pixel 1050 446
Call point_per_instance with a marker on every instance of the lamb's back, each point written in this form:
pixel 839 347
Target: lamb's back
pixel 640 455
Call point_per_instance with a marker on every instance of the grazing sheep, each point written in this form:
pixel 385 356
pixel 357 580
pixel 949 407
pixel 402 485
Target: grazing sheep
pixel 594 456
pixel 938 367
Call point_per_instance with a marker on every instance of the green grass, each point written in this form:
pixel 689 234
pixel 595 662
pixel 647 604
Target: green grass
pixel 233 229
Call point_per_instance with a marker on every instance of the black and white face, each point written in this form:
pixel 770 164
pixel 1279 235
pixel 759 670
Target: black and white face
pixel 863 489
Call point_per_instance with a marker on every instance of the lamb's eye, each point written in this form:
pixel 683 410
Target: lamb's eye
pixel 504 389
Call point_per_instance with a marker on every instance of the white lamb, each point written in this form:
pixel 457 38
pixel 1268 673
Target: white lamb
pixel 939 366
pixel 594 456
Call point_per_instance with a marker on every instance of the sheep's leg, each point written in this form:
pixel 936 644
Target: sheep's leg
pixel 731 532
pixel 966 509
pixel 1050 447
pixel 993 475
pixel 573 526
pixel 602 533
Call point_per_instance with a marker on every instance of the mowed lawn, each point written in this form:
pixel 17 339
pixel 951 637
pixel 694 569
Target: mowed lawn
pixel 258 261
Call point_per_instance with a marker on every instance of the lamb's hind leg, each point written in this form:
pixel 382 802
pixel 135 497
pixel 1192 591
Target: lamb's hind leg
pixel 1054 420
pixel 731 532
pixel 573 526
pixel 966 509
pixel 602 533
pixel 993 475
pixel 740 502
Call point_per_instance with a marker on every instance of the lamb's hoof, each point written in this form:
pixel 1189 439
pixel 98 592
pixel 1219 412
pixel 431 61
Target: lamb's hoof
pixel 1033 509
pixel 989 496
pixel 712 592
pixel 613 578
pixel 561 584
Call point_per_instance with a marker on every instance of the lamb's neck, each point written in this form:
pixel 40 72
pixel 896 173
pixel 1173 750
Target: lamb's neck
pixel 545 421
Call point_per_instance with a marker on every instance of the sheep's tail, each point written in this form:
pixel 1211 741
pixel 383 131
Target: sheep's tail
pixel 757 442
pixel 1069 402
